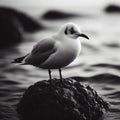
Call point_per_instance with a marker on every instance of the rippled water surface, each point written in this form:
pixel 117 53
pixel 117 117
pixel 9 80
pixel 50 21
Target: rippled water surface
pixel 98 64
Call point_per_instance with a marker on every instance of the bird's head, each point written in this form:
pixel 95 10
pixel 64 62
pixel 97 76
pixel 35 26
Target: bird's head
pixel 72 30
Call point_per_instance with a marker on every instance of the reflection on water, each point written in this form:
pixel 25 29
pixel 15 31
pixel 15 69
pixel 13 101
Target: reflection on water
pixel 97 65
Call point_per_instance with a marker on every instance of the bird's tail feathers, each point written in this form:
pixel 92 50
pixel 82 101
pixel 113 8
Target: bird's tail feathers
pixel 19 60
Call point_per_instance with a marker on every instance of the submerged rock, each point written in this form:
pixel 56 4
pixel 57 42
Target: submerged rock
pixel 12 25
pixel 28 23
pixel 56 15
pixel 112 9
pixel 10 30
pixel 71 101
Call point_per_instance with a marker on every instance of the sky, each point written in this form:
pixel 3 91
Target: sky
pixel 56 2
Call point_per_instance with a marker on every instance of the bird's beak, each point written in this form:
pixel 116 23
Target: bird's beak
pixel 82 35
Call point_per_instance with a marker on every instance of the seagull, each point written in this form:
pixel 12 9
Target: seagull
pixel 56 51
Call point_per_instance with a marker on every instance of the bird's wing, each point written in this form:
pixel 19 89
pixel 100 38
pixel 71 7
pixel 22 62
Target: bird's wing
pixel 43 46
pixel 41 51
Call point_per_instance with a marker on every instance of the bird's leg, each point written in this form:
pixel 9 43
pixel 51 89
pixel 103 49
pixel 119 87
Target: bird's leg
pixel 49 71
pixel 61 79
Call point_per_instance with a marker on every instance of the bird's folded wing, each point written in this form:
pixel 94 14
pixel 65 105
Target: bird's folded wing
pixel 41 52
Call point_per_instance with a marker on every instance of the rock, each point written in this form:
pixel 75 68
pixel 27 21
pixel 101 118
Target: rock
pixel 112 9
pixel 12 26
pixel 56 15
pixel 71 101
pixel 10 30
pixel 28 23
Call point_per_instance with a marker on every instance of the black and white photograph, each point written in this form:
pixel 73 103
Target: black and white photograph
pixel 59 60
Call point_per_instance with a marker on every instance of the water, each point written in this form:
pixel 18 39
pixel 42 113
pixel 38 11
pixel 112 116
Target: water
pixel 98 64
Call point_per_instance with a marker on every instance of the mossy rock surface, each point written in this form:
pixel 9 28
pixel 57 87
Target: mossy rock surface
pixel 71 101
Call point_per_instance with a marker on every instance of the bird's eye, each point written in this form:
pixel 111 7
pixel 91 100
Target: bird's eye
pixel 69 31
pixel 72 31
